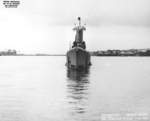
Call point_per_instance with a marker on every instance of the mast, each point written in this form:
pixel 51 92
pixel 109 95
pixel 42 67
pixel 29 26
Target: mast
pixel 79 19
pixel 79 34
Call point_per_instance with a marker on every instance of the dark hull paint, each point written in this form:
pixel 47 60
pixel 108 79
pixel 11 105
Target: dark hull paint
pixel 78 58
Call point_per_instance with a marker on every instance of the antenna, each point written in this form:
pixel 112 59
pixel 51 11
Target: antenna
pixel 79 19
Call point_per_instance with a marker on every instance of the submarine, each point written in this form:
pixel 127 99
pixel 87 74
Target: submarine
pixel 77 56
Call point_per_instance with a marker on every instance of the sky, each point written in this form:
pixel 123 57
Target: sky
pixel 45 26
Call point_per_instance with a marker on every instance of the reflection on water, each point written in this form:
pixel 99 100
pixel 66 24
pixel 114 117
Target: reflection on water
pixel 78 75
pixel 38 89
pixel 78 90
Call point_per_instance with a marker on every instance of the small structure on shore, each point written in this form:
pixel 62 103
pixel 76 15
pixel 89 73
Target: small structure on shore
pixel 77 56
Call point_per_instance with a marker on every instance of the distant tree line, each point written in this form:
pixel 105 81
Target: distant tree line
pixel 130 52
pixel 8 52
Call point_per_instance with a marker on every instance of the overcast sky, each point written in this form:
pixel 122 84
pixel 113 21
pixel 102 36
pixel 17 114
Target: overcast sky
pixel 45 26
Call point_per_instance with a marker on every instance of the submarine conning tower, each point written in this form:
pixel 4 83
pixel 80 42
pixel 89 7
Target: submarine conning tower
pixel 79 35
pixel 77 56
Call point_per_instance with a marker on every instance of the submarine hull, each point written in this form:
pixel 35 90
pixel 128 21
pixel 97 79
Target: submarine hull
pixel 78 58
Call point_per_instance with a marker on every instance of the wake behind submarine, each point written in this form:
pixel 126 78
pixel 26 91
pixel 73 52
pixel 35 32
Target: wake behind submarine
pixel 77 56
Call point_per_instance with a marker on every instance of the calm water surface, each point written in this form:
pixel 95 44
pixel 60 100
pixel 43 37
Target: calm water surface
pixel 43 89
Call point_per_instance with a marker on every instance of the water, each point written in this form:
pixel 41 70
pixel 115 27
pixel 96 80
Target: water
pixel 42 89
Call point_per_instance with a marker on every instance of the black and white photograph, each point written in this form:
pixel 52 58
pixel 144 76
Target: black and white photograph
pixel 74 60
